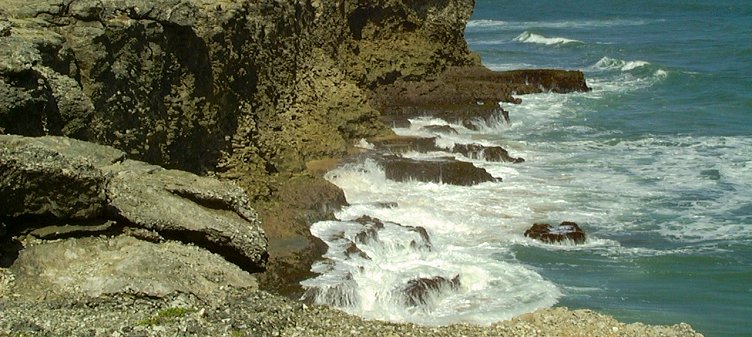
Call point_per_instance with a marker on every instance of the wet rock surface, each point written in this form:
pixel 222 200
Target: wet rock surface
pixel 488 153
pixel 445 170
pixel 417 291
pixel 567 231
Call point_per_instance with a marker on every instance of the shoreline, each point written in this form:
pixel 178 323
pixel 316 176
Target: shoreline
pixel 255 98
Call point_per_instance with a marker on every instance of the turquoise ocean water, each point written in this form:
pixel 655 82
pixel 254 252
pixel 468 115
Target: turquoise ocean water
pixel 658 158
pixel 655 164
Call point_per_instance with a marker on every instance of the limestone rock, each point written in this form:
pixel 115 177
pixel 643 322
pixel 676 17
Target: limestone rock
pixel 53 177
pixel 123 265
pixel 188 208
pixel 566 231
pixel 57 178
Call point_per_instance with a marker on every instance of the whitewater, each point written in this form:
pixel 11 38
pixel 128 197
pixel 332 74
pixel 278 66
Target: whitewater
pixel 655 164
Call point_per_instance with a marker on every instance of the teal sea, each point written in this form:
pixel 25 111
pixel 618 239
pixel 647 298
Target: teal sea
pixel 655 164
pixel 658 158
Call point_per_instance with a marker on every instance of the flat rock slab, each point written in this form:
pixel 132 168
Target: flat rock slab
pixel 188 208
pixel 104 266
pixel 445 170
pixel 61 180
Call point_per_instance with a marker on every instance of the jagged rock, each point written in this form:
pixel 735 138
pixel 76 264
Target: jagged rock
pixel 488 153
pixel 566 231
pixel 445 170
pixel 123 265
pixel 57 179
pixel 53 177
pixel 372 226
pixel 417 291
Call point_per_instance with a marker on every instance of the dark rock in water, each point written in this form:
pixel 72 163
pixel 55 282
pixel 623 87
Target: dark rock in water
pixel 445 170
pixel 341 294
pixel 352 249
pixel 371 231
pixel 488 153
pixel 402 144
pixel 373 226
pixel 462 94
pixel 444 129
pixel 566 231
pixel 418 290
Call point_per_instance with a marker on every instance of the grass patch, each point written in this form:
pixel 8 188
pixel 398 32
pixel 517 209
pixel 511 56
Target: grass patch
pixel 166 315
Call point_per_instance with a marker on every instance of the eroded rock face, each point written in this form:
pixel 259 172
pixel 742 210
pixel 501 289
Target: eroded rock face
pixel 61 180
pixel 246 89
pixel 439 170
pixel 566 231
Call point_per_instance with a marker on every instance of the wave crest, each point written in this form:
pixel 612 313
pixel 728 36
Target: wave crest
pixel 528 37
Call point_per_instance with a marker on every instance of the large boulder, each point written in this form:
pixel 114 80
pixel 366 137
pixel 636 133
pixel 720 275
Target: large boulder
pixel 488 153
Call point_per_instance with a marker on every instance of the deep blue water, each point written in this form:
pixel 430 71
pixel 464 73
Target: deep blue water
pixel 656 161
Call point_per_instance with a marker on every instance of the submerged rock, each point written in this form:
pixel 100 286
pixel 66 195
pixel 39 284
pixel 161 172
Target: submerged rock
pixel 417 291
pixel 566 231
pixel 445 170
pixel 441 129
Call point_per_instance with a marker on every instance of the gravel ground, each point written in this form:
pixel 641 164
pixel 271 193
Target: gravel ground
pixel 259 313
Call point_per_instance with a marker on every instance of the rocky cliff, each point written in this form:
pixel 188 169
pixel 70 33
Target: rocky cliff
pixel 246 89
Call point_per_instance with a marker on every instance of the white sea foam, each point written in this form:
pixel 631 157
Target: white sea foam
pixel 607 63
pixel 528 37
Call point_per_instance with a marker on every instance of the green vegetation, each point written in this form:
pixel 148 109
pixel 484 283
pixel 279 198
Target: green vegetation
pixel 166 316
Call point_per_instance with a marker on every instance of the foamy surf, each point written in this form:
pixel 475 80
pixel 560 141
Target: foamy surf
pixel 528 37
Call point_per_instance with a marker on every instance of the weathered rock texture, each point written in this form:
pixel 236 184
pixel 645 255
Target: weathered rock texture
pixel 567 231
pixel 55 180
pixel 243 88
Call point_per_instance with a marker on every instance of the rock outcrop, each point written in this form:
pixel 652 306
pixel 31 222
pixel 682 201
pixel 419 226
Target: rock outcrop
pixel 56 180
pixel 445 170
pixel 567 231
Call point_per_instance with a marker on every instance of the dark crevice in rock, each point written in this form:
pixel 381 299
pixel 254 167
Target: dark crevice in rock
pixel 234 256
